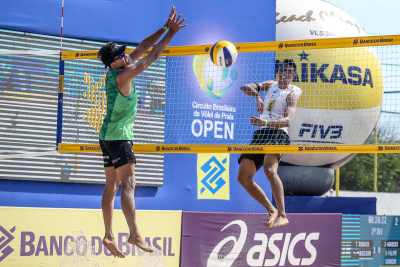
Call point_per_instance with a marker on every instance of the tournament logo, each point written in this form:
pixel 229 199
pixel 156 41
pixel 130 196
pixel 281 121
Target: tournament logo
pixel 213 176
pixel 215 81
pixel 5 239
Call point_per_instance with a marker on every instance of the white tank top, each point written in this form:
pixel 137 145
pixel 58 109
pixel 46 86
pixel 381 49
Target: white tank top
pixel 275 103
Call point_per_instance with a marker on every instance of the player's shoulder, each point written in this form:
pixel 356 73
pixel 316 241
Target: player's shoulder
pixel 295 88
pixel 273 84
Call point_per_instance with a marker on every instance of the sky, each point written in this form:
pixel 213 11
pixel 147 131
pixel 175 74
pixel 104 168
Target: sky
pixel 377 17
pixel 380 17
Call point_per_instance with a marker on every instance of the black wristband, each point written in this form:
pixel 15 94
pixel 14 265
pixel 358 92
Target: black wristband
pixel 258 87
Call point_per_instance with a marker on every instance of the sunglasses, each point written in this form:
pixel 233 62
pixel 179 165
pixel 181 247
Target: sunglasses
pixel 289 71
pixel 120 56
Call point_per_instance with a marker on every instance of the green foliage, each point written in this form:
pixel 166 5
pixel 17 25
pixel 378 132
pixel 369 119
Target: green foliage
pixel 358 174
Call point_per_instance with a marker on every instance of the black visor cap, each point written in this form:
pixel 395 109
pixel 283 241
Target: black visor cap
pixel 117 51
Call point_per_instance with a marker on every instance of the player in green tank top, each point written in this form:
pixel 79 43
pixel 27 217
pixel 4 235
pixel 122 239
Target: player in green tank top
pixel 116 134
pixel 121 111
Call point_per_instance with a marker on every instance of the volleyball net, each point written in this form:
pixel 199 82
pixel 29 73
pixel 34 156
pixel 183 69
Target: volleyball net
pixel 186 104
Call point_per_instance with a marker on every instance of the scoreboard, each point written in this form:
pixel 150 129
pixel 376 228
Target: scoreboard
pixel 370 240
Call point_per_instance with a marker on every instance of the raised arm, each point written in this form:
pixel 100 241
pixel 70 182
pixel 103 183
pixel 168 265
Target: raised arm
pixel 131 71
pixel 149 41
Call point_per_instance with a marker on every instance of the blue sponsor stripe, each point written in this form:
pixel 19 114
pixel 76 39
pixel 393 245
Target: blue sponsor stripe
pixel 212 54
pixel 227 57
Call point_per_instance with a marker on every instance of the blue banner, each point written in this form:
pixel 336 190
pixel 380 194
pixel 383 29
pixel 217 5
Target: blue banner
pixel 132 21
pixel 204 103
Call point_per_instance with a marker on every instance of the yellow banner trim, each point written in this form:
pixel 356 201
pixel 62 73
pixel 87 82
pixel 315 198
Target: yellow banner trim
pixel 306 44
pixel 268 149
pixel 60 84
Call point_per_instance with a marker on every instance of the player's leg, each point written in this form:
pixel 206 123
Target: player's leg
pixel 247 170
pixel 127 175
pixel 271 163
pixel 107 206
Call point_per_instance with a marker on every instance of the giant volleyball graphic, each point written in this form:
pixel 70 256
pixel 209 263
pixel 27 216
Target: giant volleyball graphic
pixel 215 81
pixel 342 88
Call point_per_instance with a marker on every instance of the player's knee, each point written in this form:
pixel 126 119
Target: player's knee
pixel 244 181
pixel 128 183
pixel 111 186
pixel 270 171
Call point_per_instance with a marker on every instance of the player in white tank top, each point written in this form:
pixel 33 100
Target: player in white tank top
pixel 275 103
pixel 276 113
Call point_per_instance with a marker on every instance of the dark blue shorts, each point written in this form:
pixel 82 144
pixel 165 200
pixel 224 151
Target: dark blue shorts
pixel 117 153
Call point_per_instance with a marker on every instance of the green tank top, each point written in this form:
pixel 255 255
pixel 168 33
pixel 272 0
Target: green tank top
pixel 121 111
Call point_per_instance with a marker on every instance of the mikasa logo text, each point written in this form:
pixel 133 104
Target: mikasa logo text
pixel 314 72
pixel 280 245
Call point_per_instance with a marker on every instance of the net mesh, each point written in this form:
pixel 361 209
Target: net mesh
pixel 346 93
pixel 85 102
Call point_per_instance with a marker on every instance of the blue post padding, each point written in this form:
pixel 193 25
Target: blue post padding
pixel 61 69
pixel 59 119
pixel 60 104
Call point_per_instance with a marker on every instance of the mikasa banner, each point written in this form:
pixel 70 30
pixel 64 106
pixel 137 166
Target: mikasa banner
pixel 229 239
pixel 73 237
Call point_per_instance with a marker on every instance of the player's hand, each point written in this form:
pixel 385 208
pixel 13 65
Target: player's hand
pixel 175 24
pixel 255 121
pixel 260 105
pixel 169 20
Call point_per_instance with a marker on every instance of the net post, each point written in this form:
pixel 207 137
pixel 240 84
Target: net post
pixel 376 162
pixel 60 102
pixel 337 182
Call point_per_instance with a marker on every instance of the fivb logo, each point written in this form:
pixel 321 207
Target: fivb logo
pixel 213 176
pixel 256 255
pixel 7 237
pixel 333 131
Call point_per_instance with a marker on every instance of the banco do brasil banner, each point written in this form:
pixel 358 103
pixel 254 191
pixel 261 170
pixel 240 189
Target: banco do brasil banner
pixel 73 237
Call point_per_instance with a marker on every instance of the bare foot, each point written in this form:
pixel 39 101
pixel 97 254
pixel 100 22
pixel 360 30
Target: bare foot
pixel 273 215
pixel 110 244
pixel 139 242
pixel 280 221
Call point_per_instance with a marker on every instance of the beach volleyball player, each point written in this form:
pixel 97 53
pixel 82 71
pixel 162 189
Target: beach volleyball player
pixel 277 112
pixel 116 134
